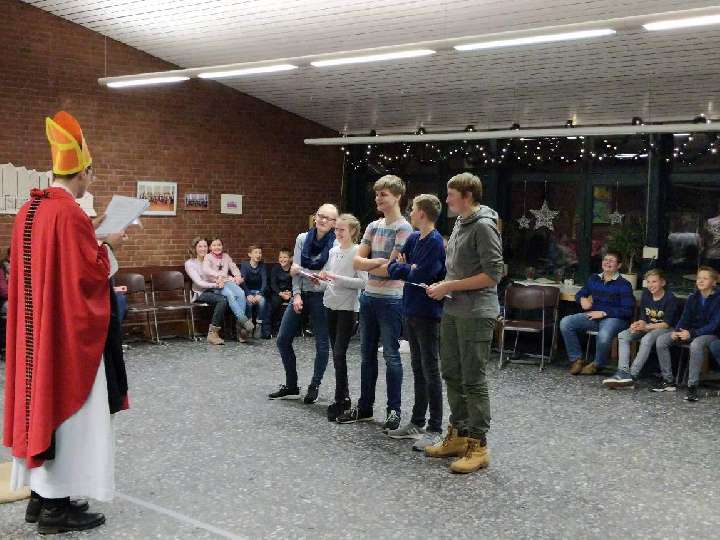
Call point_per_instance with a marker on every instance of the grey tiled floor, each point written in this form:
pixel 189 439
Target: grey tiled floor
pixel 203 454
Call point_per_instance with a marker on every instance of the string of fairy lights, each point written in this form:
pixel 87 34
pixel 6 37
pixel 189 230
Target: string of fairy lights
pixel 531 153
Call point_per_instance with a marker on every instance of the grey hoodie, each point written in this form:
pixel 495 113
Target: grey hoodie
pixel 475 247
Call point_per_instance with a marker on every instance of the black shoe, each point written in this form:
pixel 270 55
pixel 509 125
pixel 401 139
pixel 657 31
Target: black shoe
pixel 392 421
pixel 692 394
pixel 32 512
pixel 312 394
pixel 336 409
pixel 59 518
pixel 266 336
pixel 355 415
pixel 664 386
pixel 285 393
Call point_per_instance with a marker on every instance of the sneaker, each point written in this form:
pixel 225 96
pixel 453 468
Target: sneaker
pixel 392 421
pixel 312 394
pixel 335 409
pixel 621 379
pixel 354 415
pixel 408 431
pixel 664 386
pixel 692 393
pixel 429 439
pixel 285 393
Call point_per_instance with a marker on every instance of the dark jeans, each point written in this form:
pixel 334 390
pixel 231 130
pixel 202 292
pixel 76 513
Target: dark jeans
pixel 290 326
pixel 260 309
pixel 340 325
pixel 424 337
pixel 121 305
pixel 380 319
pixel 274 315
pixel 216 299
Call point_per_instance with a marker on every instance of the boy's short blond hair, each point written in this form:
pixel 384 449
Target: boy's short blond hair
pixel 710 270
pixel 655 272
pixel 467 183
pixel 429 204
pixel 394 184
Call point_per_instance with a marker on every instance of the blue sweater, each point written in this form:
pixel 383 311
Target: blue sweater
pixel 255 278
pixel 700 318
pixel 666 310
pixel 614 297
pixel 428 256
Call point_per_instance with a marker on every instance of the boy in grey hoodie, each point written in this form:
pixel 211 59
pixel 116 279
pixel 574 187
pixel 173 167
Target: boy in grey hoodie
pixel 474 267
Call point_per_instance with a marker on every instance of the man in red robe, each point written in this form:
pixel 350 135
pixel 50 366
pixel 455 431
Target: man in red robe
pixel 63 377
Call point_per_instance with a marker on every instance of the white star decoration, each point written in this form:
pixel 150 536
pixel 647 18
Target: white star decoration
pixel 714 230
pixel 615 218
pixel 523 222
pixel 544 217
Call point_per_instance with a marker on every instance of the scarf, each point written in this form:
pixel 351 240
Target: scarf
pixel 315 252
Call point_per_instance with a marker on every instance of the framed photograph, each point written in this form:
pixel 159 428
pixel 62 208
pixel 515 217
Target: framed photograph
pixel 602 202
pixel 231 204
pixel 161 195
pixel 197 201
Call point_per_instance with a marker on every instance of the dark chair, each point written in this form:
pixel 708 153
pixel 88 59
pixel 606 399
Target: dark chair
pixel 170 294
pixel 138 303
pixel 530 298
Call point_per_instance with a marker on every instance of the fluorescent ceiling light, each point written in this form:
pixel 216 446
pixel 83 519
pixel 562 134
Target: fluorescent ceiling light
pixel 682 23
pixel 531 40
pixel 373 58
pixel 147 81
pixel 246 71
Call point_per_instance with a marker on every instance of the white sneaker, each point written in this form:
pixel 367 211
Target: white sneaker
pixel 408 431
pixel 404 347
pixel 429 439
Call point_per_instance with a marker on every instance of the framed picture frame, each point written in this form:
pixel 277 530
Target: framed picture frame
pixel 161 195
pixel 602 203
pixel 197 201
pixel 231 203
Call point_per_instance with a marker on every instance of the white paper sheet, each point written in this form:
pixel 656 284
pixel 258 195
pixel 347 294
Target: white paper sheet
pixel 121 212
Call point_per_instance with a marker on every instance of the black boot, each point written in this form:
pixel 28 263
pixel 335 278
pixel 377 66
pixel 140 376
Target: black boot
pixel 57 517
pixel 32 512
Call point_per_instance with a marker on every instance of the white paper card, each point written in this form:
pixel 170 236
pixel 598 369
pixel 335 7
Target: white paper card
pixel 121 212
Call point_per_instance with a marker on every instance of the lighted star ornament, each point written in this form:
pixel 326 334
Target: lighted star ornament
pixel 544 217
pixel 615 218
pixel 523 222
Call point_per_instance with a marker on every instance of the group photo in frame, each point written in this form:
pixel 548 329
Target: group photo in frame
pixel 197 201
pixel 162 197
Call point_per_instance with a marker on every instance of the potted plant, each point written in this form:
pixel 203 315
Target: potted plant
pixel 628 239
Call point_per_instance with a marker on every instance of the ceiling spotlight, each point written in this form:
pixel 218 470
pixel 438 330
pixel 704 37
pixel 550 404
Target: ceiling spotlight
pixel 469 128
pixel 420 131
pixel 637 121
pixel 701 119
pixel 373 133
pixel 515 126
pixel 569 124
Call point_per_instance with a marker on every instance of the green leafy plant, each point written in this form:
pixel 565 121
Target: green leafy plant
pixel 628 240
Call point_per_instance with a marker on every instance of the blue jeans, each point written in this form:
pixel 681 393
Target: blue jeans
pixel 236 299
pixel 121 306
pixel 290 326
pixel 380 319
pixel 260 309
pixel 608 328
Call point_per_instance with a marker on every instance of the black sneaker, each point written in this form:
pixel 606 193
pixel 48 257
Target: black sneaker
pixel 392 421
pixel 692 394
pixel 354 415
pixel 335 409
pixel 664 386
pixel 285 393
pixel 312 394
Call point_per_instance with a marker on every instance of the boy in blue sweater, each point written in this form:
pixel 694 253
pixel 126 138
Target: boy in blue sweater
pixel 422 262
pixel 697 326
pixel 256 285
pixel 608 304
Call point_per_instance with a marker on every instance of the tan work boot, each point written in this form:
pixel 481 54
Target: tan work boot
pixel 213 337
pixel 477 456
pixel 451 446
pixel 577 366
pixel 590 369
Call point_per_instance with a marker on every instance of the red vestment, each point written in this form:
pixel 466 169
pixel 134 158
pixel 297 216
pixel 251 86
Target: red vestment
pixel 61 347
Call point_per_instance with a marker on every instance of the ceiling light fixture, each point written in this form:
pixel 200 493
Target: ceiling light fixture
pixel 682 23
pixel 147 81
pixel 373 58
pixel 532 40
pixel 246 71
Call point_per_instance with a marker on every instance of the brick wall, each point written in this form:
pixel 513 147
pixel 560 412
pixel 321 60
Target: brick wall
pixel 200 134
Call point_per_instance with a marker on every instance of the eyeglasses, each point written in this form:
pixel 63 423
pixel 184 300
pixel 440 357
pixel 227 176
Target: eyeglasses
pixel 321 217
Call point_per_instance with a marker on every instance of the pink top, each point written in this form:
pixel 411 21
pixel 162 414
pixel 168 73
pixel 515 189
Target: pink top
pixel 213 267
pixel 194 270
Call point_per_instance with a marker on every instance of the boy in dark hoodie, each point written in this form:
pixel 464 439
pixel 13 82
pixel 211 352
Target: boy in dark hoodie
pixel 474 267
pixel 256 283
pixel 697 326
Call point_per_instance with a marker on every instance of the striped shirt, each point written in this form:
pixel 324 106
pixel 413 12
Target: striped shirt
pixel 383 238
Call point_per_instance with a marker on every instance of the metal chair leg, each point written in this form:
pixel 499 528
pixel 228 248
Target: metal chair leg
pixel 502 346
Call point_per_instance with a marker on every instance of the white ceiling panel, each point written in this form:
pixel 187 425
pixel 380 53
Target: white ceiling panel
pixel 658 76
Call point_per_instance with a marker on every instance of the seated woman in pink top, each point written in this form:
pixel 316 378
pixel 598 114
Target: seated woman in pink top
pixel 218 267
pixel 206 290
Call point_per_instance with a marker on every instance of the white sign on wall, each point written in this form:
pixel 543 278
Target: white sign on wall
pixel 16 183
